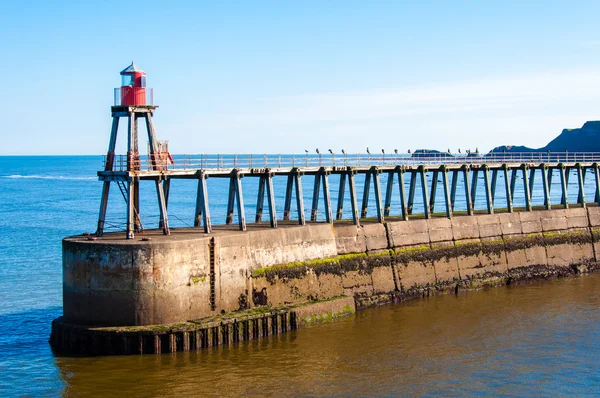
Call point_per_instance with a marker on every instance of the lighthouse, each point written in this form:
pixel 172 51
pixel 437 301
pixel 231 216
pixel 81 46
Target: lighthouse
pixel 133 101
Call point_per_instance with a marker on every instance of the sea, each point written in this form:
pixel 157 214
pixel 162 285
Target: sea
pixel 541 338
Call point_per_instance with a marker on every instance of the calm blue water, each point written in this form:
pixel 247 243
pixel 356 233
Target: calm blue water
pixel 43 199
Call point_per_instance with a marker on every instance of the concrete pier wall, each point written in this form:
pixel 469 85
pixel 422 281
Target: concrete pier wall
pixel 113 283
pixel 189 276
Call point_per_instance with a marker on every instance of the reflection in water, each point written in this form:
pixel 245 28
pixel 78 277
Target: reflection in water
pixel 531 339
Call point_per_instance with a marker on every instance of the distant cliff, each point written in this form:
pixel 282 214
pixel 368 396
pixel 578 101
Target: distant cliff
pixel 584 139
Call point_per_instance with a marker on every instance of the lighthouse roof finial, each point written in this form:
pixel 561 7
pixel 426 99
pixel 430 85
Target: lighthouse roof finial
pixel 132 69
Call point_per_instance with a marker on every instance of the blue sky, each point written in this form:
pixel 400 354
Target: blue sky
pixel 282 76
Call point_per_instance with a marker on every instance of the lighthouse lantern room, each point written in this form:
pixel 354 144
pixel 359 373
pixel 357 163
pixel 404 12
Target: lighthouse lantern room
pixel 133 86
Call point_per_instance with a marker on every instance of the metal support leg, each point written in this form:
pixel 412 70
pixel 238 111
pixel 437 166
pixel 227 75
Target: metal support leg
pixel 365 200
pixel 288 197
pixel 327 198
pixel 137 223
pixel 402 190
pixel 162 206
pixel 494 183
pixel 315 200
pixel 198 212
pixel 167 190
pixel 507 186
pixel 474 186
pixel 467 183
pixel 580 180
pixel 547 202
pixel 130 210
pixel 526 190
pixel 377 186
pixel 240 202
pixel 204 209
pixel 299 199
pixel 230 201
pixel 564 181
pixel 411 190
pixel 103 207
pixel 353 201
pixel 260 200
pixel 531 180
pixel 581 200
pixel 434 180
pixel 341 193
pixel 447 198
pixel 424 191
pixel 271 198
pixel 513 182
pixel 564 175
pixel 388 194
pixel 488 190
pixel 453 189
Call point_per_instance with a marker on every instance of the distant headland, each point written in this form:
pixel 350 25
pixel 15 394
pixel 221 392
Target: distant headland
pixel 584 139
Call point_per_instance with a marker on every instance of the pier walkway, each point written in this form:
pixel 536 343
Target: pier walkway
pixel 499 173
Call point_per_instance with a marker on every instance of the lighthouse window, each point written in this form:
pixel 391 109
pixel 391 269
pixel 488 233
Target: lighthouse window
pixel 126 80
pixel 142 81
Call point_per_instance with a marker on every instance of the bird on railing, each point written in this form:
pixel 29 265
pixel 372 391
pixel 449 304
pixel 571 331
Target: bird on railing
pixel 306 150
pixel 449 150
pixel 343 152
pixel 368 151
pixel 396 151
pixel 409 151
pixel 317 151
pixel 330 151
pixel 477 150
pixel 459 150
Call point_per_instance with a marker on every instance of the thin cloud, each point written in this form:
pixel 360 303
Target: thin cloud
pixel 527 110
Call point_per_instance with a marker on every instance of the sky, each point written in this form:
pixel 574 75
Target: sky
pixel 285 76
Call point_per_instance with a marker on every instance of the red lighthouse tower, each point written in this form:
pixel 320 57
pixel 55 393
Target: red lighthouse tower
pixel 133 103
pixel 133 86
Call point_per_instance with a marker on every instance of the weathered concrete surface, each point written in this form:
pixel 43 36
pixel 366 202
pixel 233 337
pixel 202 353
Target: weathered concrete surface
pixel 188 275
pixel 133 284
pixel 325 310
pixel 108 282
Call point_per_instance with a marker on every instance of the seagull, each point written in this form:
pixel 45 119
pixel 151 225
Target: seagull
pixel 368 151
pixel 409 151
pixel 476 150
pixel 449 150
pixel 382 151
pixel 317 150
pixel 459 150
pixel 306 150
pixel 396 151
pixel 330 151
pixel 344 152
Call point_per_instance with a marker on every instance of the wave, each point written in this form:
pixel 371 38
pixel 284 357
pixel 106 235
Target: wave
pixel 47 177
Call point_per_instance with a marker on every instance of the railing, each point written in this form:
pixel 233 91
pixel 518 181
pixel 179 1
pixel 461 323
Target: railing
pixel 283 161
pixel 133 96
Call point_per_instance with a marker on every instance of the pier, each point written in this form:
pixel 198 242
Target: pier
pixel 379 228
